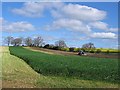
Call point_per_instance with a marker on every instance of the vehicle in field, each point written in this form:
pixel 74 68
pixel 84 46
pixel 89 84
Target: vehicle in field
pixel 81 52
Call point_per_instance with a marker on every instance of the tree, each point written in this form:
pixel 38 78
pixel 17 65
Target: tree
pixel 28 41
pixel 71 49
pixel 108 51
pixel 60 43
pixel 8 40
pixel 16 41
pixel 38 41
pixel 88 46
pixel 98 51
pixel 47 46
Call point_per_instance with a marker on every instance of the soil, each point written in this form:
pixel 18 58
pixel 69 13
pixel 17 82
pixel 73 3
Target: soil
pixel 99 55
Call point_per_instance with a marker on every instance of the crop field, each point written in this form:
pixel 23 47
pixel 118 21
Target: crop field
pixel 87 68
pixel 110 50
pixel 18 74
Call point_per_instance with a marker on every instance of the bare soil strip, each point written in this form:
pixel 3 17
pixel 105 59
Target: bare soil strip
pixel 98 55
pixel 51 51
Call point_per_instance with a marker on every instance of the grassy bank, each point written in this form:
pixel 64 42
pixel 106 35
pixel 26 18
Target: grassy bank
pixel 15 72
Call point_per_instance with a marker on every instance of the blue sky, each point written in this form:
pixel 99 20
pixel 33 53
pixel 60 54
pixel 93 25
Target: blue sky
pixel 75 22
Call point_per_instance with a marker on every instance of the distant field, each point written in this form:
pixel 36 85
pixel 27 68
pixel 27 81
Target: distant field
pixel 104 50
pixel 87 68
pixel 58 52
pixel 92 50
pixel 17 74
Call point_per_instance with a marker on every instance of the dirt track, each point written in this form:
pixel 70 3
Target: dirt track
pixel 99 55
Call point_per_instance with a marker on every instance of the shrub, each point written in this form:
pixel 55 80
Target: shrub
pixel 84 50
pixel 67 49
pixel 98 51
pixel 91 51
pixel 76 49
pixel 64 49
pixel 71 49
pixel 108 51
pixel 56 48
pixel 46 46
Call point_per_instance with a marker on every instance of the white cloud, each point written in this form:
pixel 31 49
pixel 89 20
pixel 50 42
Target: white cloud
pixel 79 38
pixel 69 24
pixel 21 26
pixel 102 26
pixel 35 9
pixel 113 29
pixel 80 12
pixel 88 16
pixel 79 18
pixel 30 9
pixel 70 16
pixel 1 20
pixel 56 14
pixel 59 9
pixel 99 25
pixel 104 35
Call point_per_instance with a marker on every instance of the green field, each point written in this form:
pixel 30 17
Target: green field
pixel 86 68
pixel 16 73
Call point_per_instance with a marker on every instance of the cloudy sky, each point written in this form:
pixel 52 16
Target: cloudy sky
pixel 75 22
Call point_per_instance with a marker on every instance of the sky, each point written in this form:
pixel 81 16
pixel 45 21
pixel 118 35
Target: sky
pixel 76 23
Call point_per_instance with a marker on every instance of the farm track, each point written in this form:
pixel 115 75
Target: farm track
pixel 49 51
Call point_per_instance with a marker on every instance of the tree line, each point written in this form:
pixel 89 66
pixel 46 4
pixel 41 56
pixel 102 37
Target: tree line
pixel 20 41
pixel 39 42
pixel 28 41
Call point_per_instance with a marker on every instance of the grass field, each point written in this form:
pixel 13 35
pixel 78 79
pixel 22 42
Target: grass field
pixel 87 68
pixel 16 73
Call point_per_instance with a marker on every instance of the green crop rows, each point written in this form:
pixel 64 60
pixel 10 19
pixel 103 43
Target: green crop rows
pixel 89 68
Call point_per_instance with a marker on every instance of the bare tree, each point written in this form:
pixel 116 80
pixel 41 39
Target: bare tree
pixel 88 46
pixel 60 43
pixel 38 41
pixel 8 40
pixel 28 41
pixel 17 41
